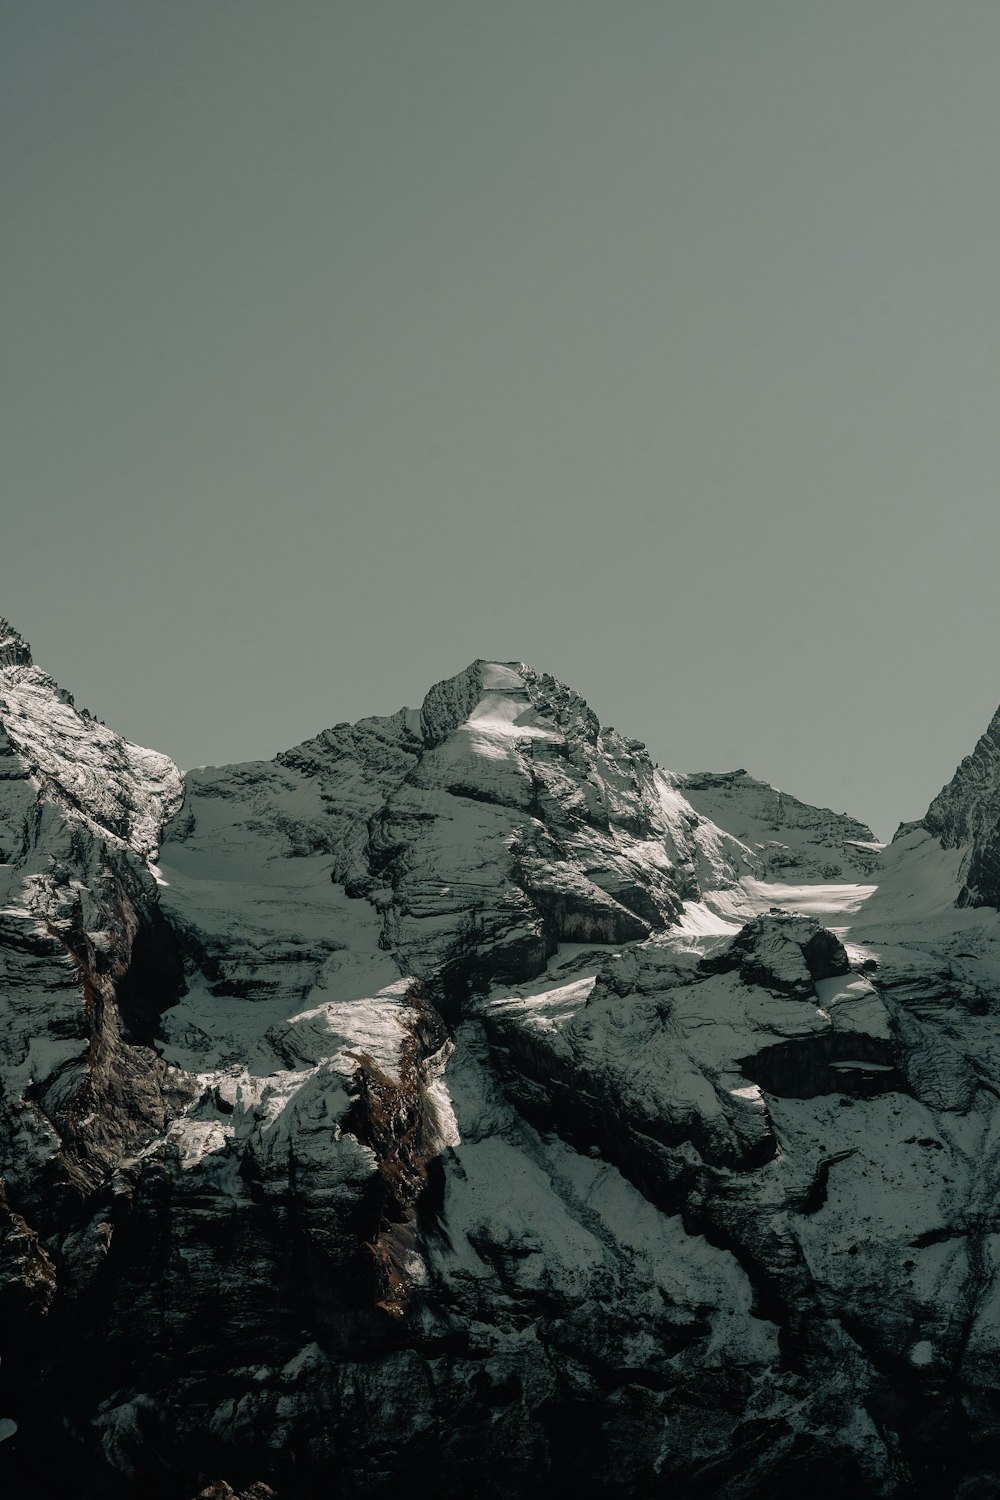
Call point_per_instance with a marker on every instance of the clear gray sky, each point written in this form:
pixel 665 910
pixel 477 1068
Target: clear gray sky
pixel 656 342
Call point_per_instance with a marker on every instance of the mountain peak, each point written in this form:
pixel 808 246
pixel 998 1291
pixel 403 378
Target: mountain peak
pixel 505 696
pixel 14 649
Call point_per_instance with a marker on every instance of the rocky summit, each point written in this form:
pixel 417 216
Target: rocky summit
pixel 460 1105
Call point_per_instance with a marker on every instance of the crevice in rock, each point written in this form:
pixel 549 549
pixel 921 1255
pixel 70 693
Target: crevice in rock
pixel 391 1117
pixel 815 1195
pixel 832 1062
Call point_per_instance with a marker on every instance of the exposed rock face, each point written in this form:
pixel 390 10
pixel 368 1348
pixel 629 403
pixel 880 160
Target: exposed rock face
pixel 459 1104
pixel 966 815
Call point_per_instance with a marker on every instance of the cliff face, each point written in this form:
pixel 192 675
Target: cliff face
pixel 458 1102
pixel 965 815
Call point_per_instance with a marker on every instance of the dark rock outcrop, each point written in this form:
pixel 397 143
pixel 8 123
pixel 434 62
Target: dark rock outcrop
pixel 966 815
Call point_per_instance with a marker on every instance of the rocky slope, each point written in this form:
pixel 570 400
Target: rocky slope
pixel 458 1102
pixel 790 839
pixel 965 815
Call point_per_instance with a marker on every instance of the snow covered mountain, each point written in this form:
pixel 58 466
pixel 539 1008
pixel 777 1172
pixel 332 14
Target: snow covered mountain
pixel 790 839
pixel 460 1102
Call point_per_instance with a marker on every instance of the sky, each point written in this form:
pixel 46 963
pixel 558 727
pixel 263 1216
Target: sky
pixel 655 343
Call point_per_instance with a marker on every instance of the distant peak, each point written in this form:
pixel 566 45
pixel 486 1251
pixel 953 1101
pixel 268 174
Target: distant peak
pixel 14 649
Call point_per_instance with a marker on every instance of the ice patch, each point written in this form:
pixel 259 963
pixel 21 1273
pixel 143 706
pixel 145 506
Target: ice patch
pixel 861 1065
pixel 840 900
pixel 500 678
pixel 546 1005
